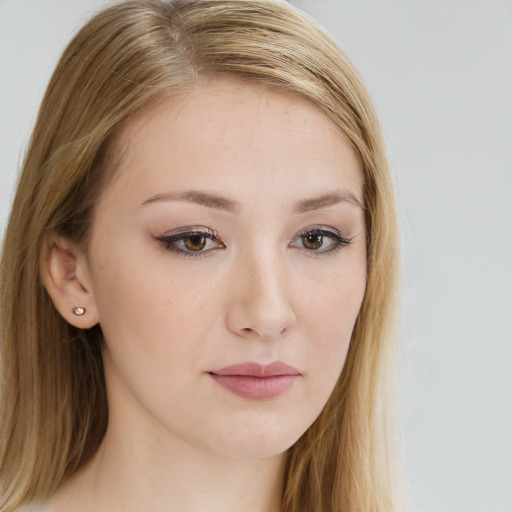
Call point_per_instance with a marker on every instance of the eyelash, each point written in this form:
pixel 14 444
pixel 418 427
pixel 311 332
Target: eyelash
pixel 339 240
pixel 169 242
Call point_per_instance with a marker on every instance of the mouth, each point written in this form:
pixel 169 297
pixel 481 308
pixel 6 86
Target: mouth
pixel 256 381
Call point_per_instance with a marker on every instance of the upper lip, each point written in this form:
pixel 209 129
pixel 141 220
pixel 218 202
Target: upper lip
pixel 258 370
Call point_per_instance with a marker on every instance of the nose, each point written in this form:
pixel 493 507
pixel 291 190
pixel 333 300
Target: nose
pixel 260 304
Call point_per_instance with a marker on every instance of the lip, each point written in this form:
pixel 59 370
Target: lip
pixel 256 381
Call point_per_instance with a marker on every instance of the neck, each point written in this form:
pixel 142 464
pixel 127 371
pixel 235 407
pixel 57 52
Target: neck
pixel 130 473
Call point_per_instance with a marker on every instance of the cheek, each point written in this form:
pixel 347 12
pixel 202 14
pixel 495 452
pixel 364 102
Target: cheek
pixel 148 313
pixel 330 314
pixel 156 350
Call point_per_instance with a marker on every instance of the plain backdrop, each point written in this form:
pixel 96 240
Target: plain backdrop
pixel 440 72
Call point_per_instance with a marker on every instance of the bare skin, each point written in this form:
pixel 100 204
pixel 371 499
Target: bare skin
pixel 184 284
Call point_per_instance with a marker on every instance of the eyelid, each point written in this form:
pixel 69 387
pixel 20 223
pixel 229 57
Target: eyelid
pixel 171 238
pixel 192 230
pixel 340 240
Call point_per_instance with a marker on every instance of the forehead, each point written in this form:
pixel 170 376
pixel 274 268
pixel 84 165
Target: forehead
pixel 246 133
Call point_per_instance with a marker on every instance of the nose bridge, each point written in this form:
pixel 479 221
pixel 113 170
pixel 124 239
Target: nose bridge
pixel 263 299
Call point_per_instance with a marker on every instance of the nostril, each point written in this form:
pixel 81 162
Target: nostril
pixel 265 335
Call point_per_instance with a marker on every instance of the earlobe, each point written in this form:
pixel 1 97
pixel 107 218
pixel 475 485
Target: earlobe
pixel 66 277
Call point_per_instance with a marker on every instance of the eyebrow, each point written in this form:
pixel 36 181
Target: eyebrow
pixel 315 203
pixel 197 197
pixel 230 206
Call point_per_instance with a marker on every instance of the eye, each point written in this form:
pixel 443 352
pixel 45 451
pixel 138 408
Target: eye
pixel 193 242
pixel 320 240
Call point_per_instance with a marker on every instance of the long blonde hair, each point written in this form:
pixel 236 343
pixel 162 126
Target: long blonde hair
pixel 53 393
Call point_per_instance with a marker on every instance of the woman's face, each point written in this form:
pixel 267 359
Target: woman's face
pixel 231 238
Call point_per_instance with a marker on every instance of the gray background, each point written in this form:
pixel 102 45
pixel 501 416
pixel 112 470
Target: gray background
pixel 440 72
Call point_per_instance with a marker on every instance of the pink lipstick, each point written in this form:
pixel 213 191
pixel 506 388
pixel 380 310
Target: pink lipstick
pixel 256 381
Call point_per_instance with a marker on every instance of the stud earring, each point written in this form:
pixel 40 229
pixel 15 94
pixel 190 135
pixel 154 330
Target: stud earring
pixel 79 311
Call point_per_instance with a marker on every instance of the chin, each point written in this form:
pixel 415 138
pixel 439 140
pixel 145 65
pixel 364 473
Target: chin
pixel 254 450
pixel 258 440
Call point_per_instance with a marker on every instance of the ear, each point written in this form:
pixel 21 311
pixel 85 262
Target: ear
pixel 66 277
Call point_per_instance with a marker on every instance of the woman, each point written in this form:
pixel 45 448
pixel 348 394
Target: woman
pixel 199 272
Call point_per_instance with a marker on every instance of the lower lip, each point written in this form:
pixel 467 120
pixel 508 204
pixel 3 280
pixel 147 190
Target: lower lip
pixel 257 388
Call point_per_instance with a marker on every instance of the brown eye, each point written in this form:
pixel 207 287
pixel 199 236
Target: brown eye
pixel 320 240
pixel 312 241
pixel 195 242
